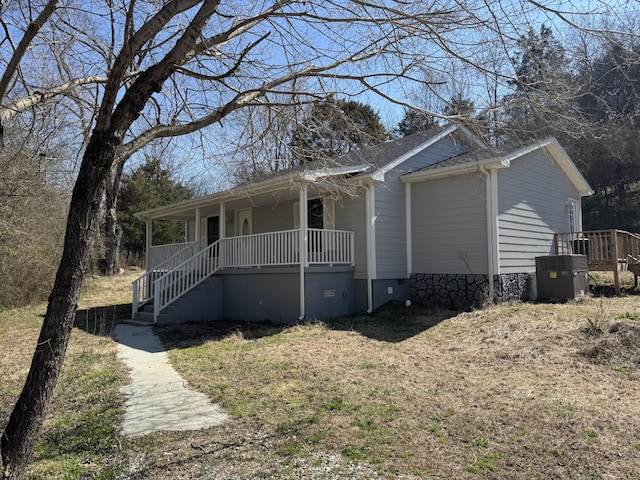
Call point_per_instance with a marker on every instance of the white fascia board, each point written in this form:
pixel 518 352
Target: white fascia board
pixel 314 175
pixel 380 173
pixel 567 165
pixel 251 189
pixel 563 160
pixel 432 174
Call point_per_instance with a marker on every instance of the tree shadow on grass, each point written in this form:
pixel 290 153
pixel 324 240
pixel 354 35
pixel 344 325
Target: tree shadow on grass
pixel 189 334
pixel 100 321
pixel 393 322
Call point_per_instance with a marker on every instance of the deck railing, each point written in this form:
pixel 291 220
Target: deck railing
pixel 607 250
pixel 143 286
pixel 324 247
pixel 602 247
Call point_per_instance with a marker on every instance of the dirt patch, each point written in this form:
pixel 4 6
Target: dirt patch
pixel 618 347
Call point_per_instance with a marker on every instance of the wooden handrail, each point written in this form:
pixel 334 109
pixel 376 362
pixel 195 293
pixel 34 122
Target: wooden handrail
pixel 612 250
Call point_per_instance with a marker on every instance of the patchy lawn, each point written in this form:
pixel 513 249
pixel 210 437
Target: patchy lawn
pixel 81 430
pixel 517 391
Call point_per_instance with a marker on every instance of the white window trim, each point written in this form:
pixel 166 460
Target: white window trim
pixel 575 206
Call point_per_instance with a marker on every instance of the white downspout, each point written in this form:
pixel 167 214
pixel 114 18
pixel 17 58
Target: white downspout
pixel 490 230
pixel 371 246
pixel 303 247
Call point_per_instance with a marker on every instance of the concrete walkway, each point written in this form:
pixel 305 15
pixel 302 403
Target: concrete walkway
pixel 158 398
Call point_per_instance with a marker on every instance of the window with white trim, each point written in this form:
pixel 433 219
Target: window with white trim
pixel 574 215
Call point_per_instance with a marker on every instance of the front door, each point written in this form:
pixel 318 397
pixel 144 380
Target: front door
pixel 213 229
pixel 244 222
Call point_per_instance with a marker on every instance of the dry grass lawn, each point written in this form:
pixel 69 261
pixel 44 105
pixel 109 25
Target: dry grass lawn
pixel 520 391
pixel 515 391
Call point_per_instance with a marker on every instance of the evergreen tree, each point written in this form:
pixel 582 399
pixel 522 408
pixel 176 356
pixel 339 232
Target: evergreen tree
pixel 414 122
pixel 543 89
pixel 333 127
pixel 459 106
pixel 149 186
pixel 608 154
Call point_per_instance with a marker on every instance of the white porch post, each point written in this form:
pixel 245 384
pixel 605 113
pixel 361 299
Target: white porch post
pixel 495 227
pixel 491 192
pixel 371 243
pixel 197 229
pixel 223 220
pixel 149 242
pixel 303 247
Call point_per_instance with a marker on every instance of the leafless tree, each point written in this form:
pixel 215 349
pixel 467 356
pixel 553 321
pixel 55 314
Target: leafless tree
pixel 186 66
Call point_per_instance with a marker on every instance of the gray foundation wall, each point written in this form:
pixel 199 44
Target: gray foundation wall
pixel 384 291
pixel 329 294
pixel 202 304
pixel 460 291
pixel 267 294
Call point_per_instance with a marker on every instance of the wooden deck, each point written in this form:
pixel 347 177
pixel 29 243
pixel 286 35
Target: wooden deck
pixel 606 250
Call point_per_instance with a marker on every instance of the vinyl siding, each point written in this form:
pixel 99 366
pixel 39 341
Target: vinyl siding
pixel 391 245
pixel 533 196
pixel 351 216
pixel 449 229
pixel 273 218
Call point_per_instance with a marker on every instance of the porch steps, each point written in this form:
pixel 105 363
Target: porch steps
pixel 199 303
pixel 140 322
pixel 145 315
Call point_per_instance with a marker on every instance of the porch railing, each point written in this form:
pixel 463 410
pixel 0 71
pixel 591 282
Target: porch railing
pixel 158 254
pixel 143 286
pixel 330 247
pixel 175 283
pixel 262 249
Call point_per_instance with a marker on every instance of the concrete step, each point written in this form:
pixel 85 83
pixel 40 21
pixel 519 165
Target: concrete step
pixel 144 317
pixel 139 322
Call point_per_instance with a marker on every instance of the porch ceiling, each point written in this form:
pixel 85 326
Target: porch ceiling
pixel 240 198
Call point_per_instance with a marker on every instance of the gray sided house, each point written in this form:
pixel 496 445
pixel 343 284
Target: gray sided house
pixel 435 218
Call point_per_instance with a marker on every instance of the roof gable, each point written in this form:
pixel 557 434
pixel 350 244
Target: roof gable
pixel 416 143
pixel 502 159
pixel 370 162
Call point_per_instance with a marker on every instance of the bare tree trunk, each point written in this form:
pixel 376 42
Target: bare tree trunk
pixel 112 232
pixel 26 419
pixel 112 236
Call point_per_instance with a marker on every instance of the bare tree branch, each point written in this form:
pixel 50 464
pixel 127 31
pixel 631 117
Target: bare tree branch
pixel 23 104
pixel 32 30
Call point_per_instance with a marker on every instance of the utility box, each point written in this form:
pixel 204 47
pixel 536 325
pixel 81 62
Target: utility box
pixel 562 277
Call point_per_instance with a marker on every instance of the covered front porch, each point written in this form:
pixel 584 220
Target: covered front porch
pixel 243 235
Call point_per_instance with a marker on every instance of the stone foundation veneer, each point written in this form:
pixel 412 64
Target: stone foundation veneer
pixel 460 291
